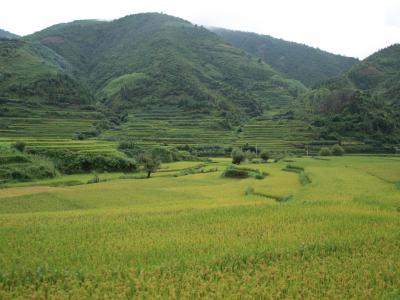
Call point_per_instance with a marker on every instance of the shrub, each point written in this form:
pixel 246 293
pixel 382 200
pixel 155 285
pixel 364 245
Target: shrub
pixel 69 162
pixel 20 146
pixel 264 155
pixel 95 179
pixel 233 172
pixel 38 169
pixel 238 156
pixel 241 173
pixel 325 151
pixel 163 154
pixel 14 159
pixel 250 155
pixel 337 150
pixel 126 145
pixel 249 191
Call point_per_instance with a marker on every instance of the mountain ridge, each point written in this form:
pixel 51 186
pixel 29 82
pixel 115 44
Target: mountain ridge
pixel 8 35
pixel 123 58
pixel 298 61
pixel 363 102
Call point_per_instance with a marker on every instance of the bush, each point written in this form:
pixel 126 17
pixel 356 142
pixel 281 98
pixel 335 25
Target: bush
pixel 233 172
pixel 241 173
pixel 238 156
pixel 14 159
pixel 264 155
pixel 69 162
pixel 163 154
pixel 38 169
pixel 249 191
pixel 20 146
pixel 95 179
pixel 250 155
pixel 337 150
pixel 325 151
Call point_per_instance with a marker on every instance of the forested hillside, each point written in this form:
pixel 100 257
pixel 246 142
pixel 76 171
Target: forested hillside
pixel 306 64
pixel 33 71
pixel 157 79
pixel 363 103
pixel 7 35
pixel 155 59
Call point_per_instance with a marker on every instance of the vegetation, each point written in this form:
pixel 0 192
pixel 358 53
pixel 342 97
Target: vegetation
pixel 306 64
pixel 264 155
pixel 90 109
pixel 7 35
pixel 238 156
pixel 20 146
pixel 150 164
pixel 169 59
pixel 32 71
pixel 337 150
pixel 325 151
pixel 199 236
pixel 362 104
pixel 233 171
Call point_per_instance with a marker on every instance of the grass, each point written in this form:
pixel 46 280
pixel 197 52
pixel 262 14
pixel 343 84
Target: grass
pixel 200 236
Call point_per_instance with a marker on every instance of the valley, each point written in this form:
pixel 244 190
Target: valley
pixel 148 157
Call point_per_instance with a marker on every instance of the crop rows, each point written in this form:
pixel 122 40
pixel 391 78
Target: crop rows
pixel 173 127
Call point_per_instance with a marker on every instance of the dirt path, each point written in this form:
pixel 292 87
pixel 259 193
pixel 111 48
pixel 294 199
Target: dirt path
pixel 21 191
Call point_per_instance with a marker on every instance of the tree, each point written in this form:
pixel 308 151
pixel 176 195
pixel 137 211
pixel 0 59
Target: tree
pixel 238 156
pixel 337 150
pixel 150 164
pixel 20 146
pixel 325 151
pixel 264 155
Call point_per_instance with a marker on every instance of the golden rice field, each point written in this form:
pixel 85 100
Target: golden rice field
pixel 337 236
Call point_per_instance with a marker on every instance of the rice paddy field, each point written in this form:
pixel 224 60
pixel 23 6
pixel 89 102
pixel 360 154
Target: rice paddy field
pixel 335 235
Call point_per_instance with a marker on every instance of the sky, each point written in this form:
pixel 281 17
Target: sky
pixel 349 27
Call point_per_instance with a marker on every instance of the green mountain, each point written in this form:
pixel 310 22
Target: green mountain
pixel 7 35
pixel 156 79
pixel 39 95
pixel 158 60
pixel 363 103
pixel 306 64
pixel 33 71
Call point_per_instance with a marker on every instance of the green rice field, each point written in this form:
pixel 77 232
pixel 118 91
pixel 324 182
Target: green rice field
pixel 319 228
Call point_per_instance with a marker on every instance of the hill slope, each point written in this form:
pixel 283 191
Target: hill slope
pixel 7 35
pixel 154 59
pixel 306 64
pixel 31 70
pixel 363 103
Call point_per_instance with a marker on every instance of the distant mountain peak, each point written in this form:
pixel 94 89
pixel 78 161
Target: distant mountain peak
pixel 298 61
pixel 8 35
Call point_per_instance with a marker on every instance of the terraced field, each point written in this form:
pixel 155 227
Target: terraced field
pixel 277 134
pixel 68 144
pixel 173 127
pixel 176 127
pixel 29 119
pixel 56 127
pixel 204 236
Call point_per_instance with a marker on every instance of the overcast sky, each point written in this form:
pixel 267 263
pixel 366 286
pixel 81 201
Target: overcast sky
pixel 349 27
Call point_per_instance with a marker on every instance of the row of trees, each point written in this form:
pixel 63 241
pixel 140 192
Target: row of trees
pixel 239 156
pixel 69 162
